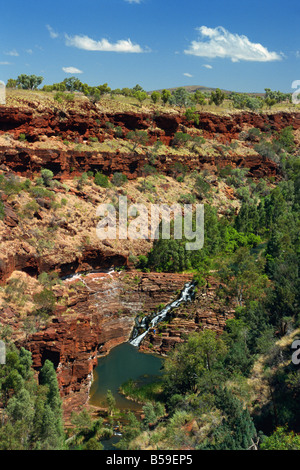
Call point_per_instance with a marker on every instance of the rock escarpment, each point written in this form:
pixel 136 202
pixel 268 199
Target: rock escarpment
pixel 89 123
pixel 27 162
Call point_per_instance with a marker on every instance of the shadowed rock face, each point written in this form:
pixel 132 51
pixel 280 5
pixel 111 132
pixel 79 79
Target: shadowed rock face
pixel 91 259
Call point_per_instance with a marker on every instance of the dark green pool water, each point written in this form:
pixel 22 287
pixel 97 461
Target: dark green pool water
pixel 123 363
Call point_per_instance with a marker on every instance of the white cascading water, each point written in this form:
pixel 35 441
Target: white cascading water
pixel 185 296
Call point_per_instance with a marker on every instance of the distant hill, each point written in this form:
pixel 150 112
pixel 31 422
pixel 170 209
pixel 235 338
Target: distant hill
pixel 193 88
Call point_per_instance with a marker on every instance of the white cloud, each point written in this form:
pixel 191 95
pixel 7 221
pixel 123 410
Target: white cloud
pixel 12 53
pixel 71 70
pixel 5 63
pixel 207 66
pixel 52 33
pixel 218 42
pixel 88 44
pixel 188 75
pixel 29 51
pixel 133 1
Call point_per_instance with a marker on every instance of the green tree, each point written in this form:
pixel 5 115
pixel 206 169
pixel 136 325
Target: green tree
pixel 82 421
pixel 93 444
pixel 129 432
pixel 237 431
pixel 140 96
pixel 217 97
pixel 185 365
pixel 181 97
pixel 155 96
pixel 152 412
pixel 45 301
pixel 111 402
pixel 11 83
pixel 29 82
pixel 138 137
pixel 165 96
pixel 281 439
pixel 244 276
pixel 20 411
pixel 52 434
pixel 104 89
pixel 180 139
pixel 72 84
pixel 199 98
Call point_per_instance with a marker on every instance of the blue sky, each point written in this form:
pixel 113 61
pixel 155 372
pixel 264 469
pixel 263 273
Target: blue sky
pixel 236 45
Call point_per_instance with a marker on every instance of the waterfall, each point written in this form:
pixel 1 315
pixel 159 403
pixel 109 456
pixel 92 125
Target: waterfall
pixel 185 296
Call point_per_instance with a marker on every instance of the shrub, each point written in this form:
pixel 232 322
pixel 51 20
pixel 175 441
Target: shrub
pixel 146 186
pixel 253 134
pixel 266 149
pixel 30 208
pixel 180 139
pixel 119 179
pixel 178 169
pixel 143 262
pixel 118 131
pixel 236 176
pixel 45 301
pixel 191 115
pixel 47 176
pixel 202 187
pixel 82 180
pixel 109 125
pixel 286 139
pixel 138 137
pixel 60 97
pixel 197 141
pixel 101 180
pixel 40 192
pixel 13 185
pixel 186 198
pixel 2 211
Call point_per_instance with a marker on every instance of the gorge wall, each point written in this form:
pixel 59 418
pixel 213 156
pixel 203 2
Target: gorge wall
pixel 96 312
